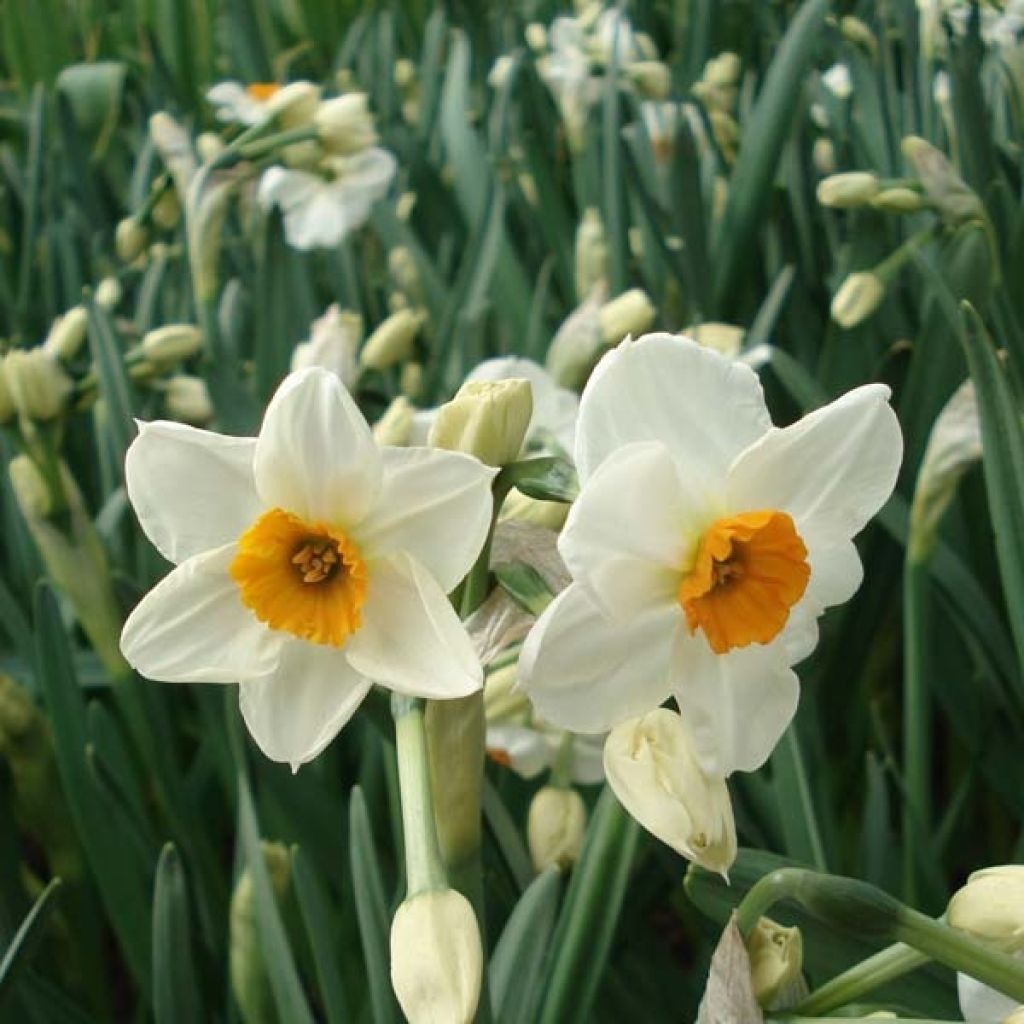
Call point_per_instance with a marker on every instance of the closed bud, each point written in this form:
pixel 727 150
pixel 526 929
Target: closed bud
pixel 210 146
pixel 858 33
pixel 576 345
pixel 650 764
pixel 652 78
pixel 776 964
pixel 436 958
pixel 167 210
pixel 392 341
pixel 404 206
pixel 34 497
pixel 402 267
pixel 849 189
pixel 395 426
pixel 555 827
pixel 171 344
pixel 345 124
pixel 824 156
pixel 67 334
pixel 108 293
pixel 549 514
pixel 990 907
pixel 536 36
pixel 38 386
pixel 333 343
pixel 295 104
pixel 486 418
pixel 130 238
pixel 858 297
pixel 187 399
pixel 946 189
pixel 898 200
pixel 591 253
pixel 411 380
pixel 724 338
pixel 405 73
pixel 628 313
pixel 249 980
pixel 723 69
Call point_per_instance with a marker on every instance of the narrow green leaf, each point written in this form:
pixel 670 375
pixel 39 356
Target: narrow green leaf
pixel 114 387
pixel 507 836
pixel 176 994
pixel 795 802
pixel 548 479
pixel 23 946
pixel 32 194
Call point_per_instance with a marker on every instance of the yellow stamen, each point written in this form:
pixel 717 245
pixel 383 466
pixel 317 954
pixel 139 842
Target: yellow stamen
pixel 750 571
pixel 306 578
pixel 262 91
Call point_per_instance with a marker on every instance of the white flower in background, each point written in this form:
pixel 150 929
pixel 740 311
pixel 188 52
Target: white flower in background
pixel 529 749
pixel 703 546
pixel 565 70
pixel 838 82
pixel 321 209
pixel 333 343
pixel 554 408
pixel 311 564
pixel 250 104
pixel 613 36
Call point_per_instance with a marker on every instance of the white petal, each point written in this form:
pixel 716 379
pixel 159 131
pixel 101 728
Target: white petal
pixel 294 711
pixel 436 506
pixel 587 767
pixel 527 750
pixel 192 627
pixel 411 640
pixel 831 471
pixel 633 529
pixel 315 455
pixel 737 705
pixel 980 1004
pixel 234 103
pixel 836 573
pixel 586 672
pixel 192 490
pixel 667 388
pixel 313 218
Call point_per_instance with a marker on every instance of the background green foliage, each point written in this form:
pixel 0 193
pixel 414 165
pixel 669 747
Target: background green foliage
pixel 149 801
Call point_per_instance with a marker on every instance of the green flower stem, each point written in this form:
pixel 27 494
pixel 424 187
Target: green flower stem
pixel 423 866
pixel 263 147
pixel 885 966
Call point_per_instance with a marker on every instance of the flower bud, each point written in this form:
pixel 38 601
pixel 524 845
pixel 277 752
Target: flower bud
pixel 392 341
pixel 858 33
pixel 404 206
pixel 849 189
pixel 130 239
pixel 67 334
pixel 295 104
pixel 436 958
pixel 652 78
pixel 536 36
pixel 628 313
pixel 188 399
pixel 858 297
pixel 486 418
pixel 776 964
pixel 249 980
pixel 402 267
pixel 411 380
pixel 395 426
pixel 167 210
pixel 38 386
pixel 555 827
pixel 345 124
pixel 108 293
pixel 171 344
pixel 549 514
pixel 898 200
pixel 405 73
pixel 837 81
pixel 944 186
pixel 990 907
pixel 591 252
pixel 210 146
pixel 333 343
pixel 724 69
pixel 724 338
pixel 824 156
pixel 576 345
pixel 651 767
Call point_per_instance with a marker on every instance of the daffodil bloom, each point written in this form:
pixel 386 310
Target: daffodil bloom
pixel 321 208
pixel 704 545
pixel 250 104
pixel 311 563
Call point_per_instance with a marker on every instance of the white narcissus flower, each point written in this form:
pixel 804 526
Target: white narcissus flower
pixel 703 546
pixel 311 563
pixel 250 104
pixel 531 748
pixel 333 342
pixel 320 210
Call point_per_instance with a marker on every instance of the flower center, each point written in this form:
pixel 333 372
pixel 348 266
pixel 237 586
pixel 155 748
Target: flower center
pixel 306 578
pixel 750 571
pixel 262 91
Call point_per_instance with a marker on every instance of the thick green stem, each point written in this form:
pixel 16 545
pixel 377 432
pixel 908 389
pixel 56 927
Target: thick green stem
pixel 862 979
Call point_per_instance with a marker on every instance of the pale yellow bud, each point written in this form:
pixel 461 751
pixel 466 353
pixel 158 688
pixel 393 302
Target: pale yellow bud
pixel 858 33
pixel 67 334
pixel 436 958
pixel 188 399
pixel 108 293
pixel 345 124
pixel 395 426
pixel 130 239
pixel 486 418
pixel 1017 1017
pixel 402 267
pixel 591 252
pixel 824 156
pixel 723 69
pixel 946 189
pixel 848 190
pixel 652 78
pixel 405 73
pixel 575 345
pixel 167 210
pixel 990 907
pixel 392 341
pixel 628 313
pixel 536 36
pixel 295 104
pixel 504 700
pixel 210 146
pixel 650 764
pixel 898 200
pixel 37 384
pixel 404 206
pixel 858 297
pixel 411 380
pixel 724 338
pixel 555 827
pixel 34 497
pixel 171 344
pixel 549 514
pixel 776 964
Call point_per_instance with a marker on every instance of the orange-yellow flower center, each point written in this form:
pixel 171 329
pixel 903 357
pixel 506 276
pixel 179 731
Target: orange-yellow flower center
pixel 262 91
pixel 306 578
pixel 750 571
